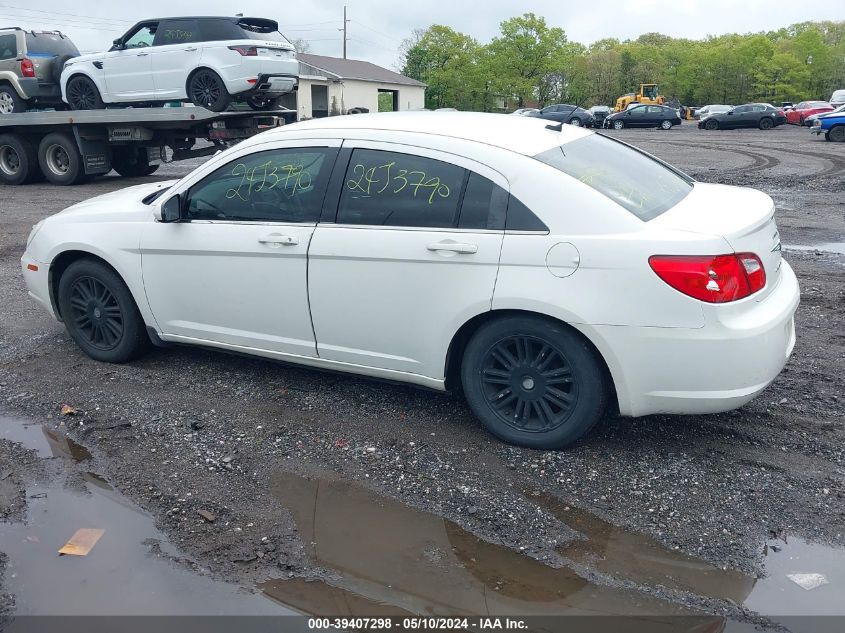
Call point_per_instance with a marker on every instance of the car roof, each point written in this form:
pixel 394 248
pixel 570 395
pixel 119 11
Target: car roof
pixel 523 135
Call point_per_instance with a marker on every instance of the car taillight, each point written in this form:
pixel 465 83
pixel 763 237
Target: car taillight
pixel 246 51
pixel 711 278
pixel 27 69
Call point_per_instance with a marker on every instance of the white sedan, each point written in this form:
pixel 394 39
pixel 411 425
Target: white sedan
pixel 548 273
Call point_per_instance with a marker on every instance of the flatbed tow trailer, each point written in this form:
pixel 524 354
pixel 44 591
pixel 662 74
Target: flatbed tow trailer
pixel 69 147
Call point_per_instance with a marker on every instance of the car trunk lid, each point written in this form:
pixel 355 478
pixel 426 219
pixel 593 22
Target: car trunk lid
pixel 743 217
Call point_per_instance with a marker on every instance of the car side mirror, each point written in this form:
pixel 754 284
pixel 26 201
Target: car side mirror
pixel 730 111
pixel 170 210
pixel 117 44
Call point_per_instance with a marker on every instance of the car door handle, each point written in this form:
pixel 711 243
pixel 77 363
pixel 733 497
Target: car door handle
pixel 279 240
pixel 193 48
pixel 141 54
pixel 454 247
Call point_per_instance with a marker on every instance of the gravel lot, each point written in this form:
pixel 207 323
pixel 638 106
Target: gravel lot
pixel 183 430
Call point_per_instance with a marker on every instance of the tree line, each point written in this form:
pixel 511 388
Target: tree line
pixel 531 62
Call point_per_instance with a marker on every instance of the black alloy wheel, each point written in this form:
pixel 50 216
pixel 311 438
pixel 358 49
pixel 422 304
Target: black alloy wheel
pixel 711 124
pixel 528 383
pixel 96 313
pixel 533 381
pixel 99 312
pixel 82 94
pixel 206 89
pixel 766 123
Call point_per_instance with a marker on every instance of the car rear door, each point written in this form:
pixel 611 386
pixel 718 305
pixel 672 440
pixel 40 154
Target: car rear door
pixel 175 53
pixel 233 272
pixel 410 256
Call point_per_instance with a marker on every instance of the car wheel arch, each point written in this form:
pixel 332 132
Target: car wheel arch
pixel 79 72
pixel 60 263
pixel 460 339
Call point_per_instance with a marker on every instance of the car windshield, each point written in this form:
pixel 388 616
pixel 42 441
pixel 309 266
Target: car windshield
pixel 642 184
pixel 49 45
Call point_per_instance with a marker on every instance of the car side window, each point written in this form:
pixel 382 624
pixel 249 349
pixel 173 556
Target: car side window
pixel 655 110
pixel 279 185
pixel 638 111
pixel 394 189
pixel 177 32
pixel 8 46
pixel 484 204
pixel 740 109
pixel 141 38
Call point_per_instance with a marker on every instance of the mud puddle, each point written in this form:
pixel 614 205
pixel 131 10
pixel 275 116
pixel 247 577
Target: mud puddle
pixel 383 557
pixel 386 558
pixel 792 565
pixel 127 572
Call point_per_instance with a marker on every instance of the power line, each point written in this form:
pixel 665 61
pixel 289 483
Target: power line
pixel 76 15
pixel 66 25
pixel 393 39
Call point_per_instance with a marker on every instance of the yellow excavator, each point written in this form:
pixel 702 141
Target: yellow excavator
pixel 648 94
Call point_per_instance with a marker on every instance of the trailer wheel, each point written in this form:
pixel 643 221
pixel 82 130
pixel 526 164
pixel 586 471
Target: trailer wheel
pixel 18 160
pixel 132 162
pixel 60 159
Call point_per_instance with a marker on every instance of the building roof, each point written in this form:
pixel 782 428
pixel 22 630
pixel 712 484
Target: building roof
pixel 339 68
pixel 520 134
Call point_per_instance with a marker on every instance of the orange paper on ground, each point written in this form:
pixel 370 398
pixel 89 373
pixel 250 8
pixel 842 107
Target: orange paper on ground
pixel 82 541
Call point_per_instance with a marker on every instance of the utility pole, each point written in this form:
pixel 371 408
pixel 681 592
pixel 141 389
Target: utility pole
pixel 344 31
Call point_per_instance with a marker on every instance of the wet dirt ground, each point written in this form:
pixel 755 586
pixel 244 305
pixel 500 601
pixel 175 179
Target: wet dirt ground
pixel 334 494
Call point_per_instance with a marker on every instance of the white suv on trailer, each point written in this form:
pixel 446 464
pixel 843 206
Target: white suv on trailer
pixel 209 61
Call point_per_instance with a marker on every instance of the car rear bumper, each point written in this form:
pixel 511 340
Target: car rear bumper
pixel 42 91
pixel 738 353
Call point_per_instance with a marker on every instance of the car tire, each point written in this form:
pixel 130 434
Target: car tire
pixel 58 67
pixel 82 94
pixel 10 101
pixel 18 160
pixel 60 160
pixel 666 124
pixel 207 90
pixel 710 124
pixel 575 121
pixel 100 313
pixel 836 134
pixel 618 124
pixel 263 103
pixel 533 381
pixel 766 123
pixel 132 162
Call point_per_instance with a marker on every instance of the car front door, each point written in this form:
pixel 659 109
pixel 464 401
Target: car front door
pixel 413 254
pixel 636 117
pixel 176 52
pixel 126 70
pixel 233 271
pixel 735 118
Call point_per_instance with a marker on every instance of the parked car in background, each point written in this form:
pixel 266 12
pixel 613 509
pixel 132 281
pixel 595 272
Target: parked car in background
pixel 524 111
pixel 811 120
pixel 750 115
pixel 210 61
pixel 565 113
pixel 837 98
pixel 832 125
pixel 600 113
pixel 646 291
pixel 644 116
pixel 30 66
pixel 707 110
pixel 796 115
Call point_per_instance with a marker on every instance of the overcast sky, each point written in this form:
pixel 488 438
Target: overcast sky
pixel 377 27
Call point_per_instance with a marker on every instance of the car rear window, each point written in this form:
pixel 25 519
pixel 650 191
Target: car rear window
pixel 640 183
pixel 214 29
pixel 49 45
